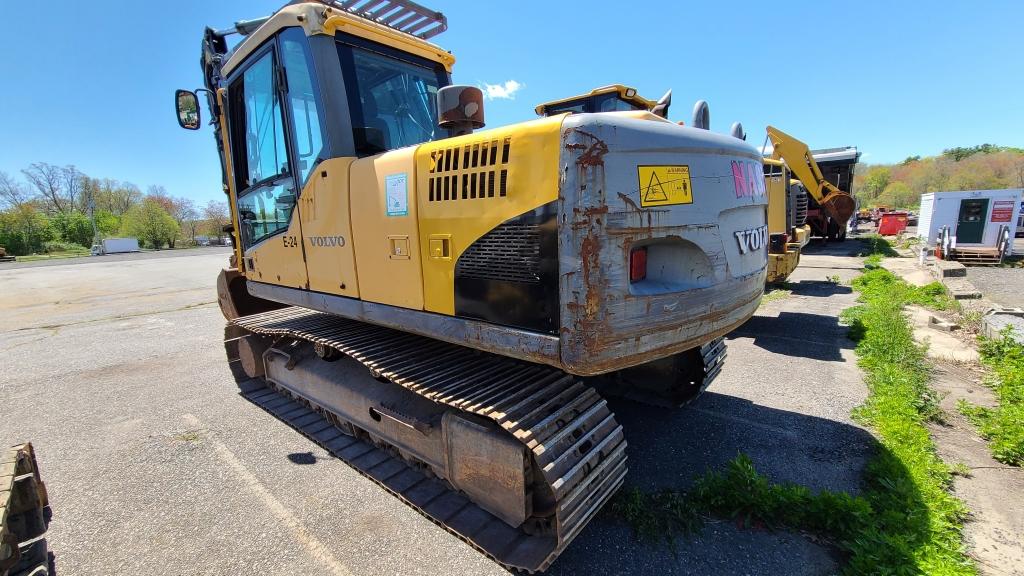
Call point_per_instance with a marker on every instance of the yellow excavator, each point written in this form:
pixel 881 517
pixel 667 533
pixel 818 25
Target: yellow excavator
pixel 787 220
pixel 439 305
pixel 830 207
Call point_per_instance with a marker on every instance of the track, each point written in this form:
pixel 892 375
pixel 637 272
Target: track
pixel 576 444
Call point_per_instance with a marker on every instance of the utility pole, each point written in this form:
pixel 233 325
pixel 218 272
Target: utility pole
pixel 92 216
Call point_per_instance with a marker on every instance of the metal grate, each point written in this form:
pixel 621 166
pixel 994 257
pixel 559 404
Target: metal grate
pixel 510 253
pixel 477 170
pixel 401 15
pixel 801 208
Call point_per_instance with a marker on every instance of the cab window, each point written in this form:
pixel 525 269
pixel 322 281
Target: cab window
pixel 303 103
pixel 615 104
pixel 262 170
pixel 392 98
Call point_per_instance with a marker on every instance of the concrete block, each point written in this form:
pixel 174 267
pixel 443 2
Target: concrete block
pixel 961 288
pixel 950 269
pixel 993 323
pixel 936 323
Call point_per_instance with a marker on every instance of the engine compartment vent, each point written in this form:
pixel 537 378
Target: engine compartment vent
pixel 798 201
pixel 477 170
pixel 510 253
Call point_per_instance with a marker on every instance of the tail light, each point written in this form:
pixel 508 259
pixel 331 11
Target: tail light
pixel 637 264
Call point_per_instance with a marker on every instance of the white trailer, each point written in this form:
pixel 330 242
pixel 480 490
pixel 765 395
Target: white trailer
pixel 974 217
pixel 119 245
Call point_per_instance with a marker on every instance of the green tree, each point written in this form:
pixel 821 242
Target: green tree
pixel 150 223
pixel 875 181
pixel 107 222
pixel 217 217
pixel 73 227
pixel 898 195
pixel 24 229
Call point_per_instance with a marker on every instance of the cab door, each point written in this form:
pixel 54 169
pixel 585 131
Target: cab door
pixel 324 215
pixel 263 172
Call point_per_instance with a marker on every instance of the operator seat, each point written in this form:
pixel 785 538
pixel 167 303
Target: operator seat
pixel 373 135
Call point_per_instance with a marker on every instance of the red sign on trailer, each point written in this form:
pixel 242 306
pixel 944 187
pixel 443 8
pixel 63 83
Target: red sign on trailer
pixel 1002 211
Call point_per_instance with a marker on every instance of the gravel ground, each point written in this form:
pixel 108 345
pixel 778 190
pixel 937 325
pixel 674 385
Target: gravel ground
pixel 155 465
pixel 1004 286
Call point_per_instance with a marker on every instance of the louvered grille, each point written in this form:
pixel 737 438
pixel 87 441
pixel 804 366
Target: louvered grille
pixel 510 252
pixel 477 170
pixel 801 208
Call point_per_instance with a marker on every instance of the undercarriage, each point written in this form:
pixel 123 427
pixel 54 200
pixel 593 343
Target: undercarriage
pixel 512 457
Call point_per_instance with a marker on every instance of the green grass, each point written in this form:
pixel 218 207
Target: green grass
pixel 741 494
pixel 905 521
pixel 907 242
pixel 877 248
pixel 54 255
pixel 1002 426
pixel 907 483
pixel 774 293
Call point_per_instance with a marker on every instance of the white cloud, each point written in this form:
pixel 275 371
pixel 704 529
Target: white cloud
pixel 506 91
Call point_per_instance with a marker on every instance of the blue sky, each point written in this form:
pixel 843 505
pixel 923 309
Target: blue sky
pixel 93 85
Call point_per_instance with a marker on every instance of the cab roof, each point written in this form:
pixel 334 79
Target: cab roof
pixel 331 17
pixel 626 93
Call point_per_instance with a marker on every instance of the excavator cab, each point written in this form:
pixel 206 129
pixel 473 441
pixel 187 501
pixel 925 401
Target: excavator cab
pixel 611 98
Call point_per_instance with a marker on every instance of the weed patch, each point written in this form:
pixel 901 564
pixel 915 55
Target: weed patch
pixel 776 293
pixel 1002 426
pixel 876 247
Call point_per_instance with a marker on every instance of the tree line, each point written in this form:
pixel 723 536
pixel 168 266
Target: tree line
pixel 983 167
pixel 52 208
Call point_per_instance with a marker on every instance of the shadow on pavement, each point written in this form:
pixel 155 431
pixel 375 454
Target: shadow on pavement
pixel 799 334
pixel 819 288
pixel 302 458
pixel 852 246
pixel 670 448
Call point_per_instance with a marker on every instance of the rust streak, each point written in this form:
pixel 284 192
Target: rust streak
pixel 594 155
pixel 629 201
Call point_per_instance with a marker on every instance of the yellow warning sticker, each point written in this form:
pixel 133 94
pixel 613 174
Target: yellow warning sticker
pixel 664 185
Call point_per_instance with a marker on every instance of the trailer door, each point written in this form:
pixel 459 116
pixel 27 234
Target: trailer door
pixel 970 225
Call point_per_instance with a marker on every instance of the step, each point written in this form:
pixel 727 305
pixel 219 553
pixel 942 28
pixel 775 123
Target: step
pixel 961 288
pixel 949 269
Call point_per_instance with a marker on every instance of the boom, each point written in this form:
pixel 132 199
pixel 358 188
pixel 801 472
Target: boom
pixel 798 158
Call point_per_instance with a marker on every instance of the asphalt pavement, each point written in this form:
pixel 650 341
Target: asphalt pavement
pixel 119 257
pixel 155 464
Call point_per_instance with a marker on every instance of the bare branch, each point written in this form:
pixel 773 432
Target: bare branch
pixel 46 179
pixel 13 194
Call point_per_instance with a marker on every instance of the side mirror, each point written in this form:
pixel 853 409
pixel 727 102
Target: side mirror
pixel 187 105
pixel 460 109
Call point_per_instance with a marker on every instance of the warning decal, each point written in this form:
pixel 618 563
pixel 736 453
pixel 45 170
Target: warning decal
pixel 1002 211
pixel 664 185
